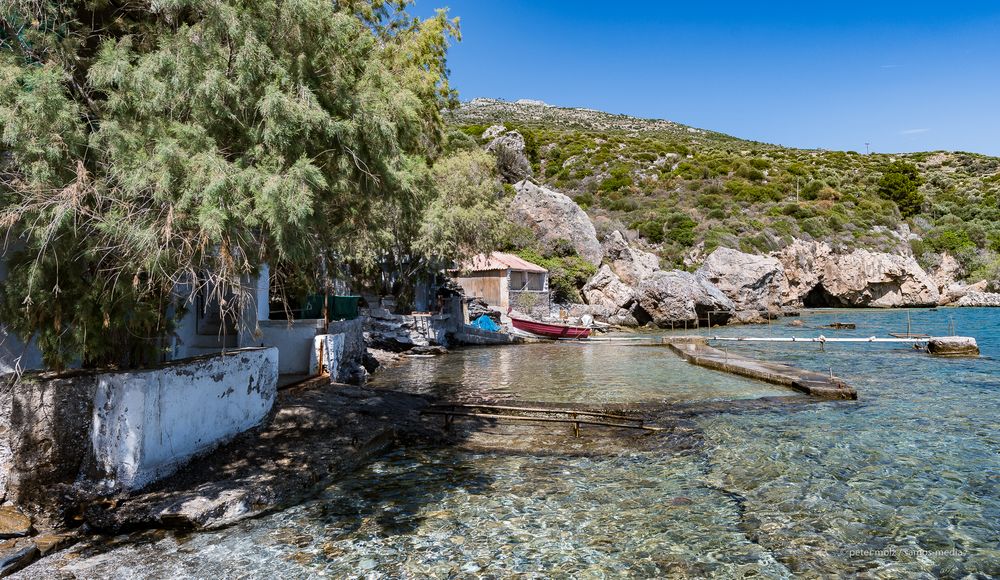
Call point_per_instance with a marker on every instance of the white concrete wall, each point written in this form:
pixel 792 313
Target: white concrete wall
pixel 148 423
pixel 293 339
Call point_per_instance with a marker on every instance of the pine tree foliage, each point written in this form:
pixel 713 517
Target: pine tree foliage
pixel 163 143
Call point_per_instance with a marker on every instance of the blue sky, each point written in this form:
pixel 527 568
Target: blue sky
pixel 904 76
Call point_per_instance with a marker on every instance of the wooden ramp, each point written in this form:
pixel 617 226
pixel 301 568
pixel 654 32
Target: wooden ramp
pixel 535 414
pixel 808 382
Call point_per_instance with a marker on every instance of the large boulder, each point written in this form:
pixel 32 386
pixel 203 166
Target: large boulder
pixel 631 264
pixel 803 263
pixel 553 217
pixel 512 160
pixel 612 300
pixel 873 279
pixel 674 298
pixel 752 282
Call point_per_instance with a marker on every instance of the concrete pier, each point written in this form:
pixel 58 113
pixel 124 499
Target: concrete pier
pixel 808 382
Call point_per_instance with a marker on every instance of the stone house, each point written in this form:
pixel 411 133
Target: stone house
pixel 502 279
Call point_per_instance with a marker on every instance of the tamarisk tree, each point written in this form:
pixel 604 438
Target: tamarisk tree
pixel 148 145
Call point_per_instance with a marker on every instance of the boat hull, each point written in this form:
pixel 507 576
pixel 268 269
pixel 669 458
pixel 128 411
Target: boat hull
pixel 549 330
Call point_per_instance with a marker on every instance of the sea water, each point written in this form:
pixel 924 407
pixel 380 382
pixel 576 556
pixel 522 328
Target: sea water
pixel 904 483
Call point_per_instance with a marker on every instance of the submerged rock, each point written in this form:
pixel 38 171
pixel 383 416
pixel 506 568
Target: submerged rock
pixel 14 524
pixel 16 554
pixel 554 217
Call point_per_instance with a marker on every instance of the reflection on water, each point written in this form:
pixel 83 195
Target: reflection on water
pixel 569 372
pixel 904 483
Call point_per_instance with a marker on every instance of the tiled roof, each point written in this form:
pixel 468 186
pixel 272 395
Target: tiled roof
pixel 499 261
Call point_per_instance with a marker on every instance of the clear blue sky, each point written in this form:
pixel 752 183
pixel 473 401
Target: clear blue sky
pixel 905 76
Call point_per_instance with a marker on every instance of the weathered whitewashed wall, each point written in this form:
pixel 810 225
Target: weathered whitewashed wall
pixel 148 423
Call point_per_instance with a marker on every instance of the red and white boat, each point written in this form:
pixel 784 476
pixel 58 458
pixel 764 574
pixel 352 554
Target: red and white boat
pixel 550 330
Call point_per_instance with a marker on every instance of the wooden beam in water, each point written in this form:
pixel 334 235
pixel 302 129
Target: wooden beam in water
pixel 449 415
pixel 536 410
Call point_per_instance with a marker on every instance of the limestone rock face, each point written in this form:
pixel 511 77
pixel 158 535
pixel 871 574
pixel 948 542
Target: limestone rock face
pixel 947 272
pixel 752 282
pixel 512 160
pixel 815 276
pixel 675 296
pixel 974 299
pixel 493 132
pixel 630 264
pixel 554 216
pixel 958 290
pixel 803 264
pixel 864 278
pixel 612 300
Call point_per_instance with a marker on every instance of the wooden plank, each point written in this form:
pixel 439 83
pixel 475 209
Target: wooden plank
pixel 538 410
pixel 542 419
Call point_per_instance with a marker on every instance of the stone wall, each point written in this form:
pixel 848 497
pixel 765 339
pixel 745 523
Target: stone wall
pixel 44 427
pixel 147 423
pixel 397 332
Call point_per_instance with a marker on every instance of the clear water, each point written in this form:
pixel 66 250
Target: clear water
pixel 561 372
pixel 904 483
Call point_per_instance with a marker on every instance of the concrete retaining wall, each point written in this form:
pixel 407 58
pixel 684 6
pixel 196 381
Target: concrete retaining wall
pixel 148 423
pixel 294 340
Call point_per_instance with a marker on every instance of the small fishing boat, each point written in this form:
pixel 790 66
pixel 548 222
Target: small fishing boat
pixel 550 330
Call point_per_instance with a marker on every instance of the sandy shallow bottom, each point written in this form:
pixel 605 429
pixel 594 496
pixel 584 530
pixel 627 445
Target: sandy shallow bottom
pixel 904 483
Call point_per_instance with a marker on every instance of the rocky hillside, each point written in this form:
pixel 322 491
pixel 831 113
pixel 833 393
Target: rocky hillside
pixel 680 192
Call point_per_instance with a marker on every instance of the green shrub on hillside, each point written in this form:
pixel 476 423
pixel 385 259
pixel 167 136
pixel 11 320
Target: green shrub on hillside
pixel 900 183
pixel 568 273
pixel 680 228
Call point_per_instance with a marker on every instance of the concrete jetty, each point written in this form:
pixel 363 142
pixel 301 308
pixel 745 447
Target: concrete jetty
pixel 808 382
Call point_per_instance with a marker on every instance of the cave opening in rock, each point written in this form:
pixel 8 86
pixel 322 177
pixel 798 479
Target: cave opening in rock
pixel 819 297
pixel 642 317
pixel 709 316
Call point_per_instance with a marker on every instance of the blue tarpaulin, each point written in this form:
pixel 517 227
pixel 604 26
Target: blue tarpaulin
pixel 486 323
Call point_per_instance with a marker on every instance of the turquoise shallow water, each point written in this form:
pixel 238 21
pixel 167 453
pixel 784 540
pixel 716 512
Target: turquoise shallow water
pixel 904 483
